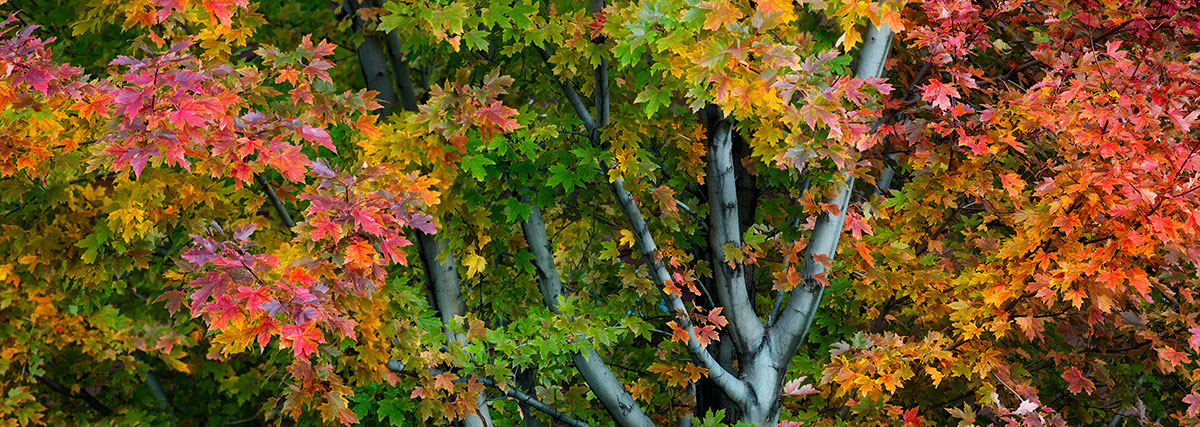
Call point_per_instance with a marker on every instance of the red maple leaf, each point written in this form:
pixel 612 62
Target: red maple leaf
pixel 707 334
pixel 323 227
pixel 1076 381
pixel 714 316
pixel 1193 401
pixel 939 93
pixel 303 338
pixel 360 255
pixel 496 114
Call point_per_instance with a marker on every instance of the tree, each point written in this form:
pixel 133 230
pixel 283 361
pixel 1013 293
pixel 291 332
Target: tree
pixel 625 213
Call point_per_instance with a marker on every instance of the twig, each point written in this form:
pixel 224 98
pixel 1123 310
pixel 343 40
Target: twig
pixel 284 216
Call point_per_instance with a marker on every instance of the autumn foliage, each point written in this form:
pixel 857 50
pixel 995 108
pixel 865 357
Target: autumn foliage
pixel 653 212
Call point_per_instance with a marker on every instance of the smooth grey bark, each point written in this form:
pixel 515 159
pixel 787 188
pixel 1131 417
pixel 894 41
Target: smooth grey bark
pixel 725 229
pixel 765 351
pixel 524 383
pixel 797 315
pixel 619 403
pixel 601 91
pixel 444 284
pixel 372 60
pixel 440 271
pixel 733 388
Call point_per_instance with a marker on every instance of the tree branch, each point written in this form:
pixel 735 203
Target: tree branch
pixel 284 216
pixel 398 368
pixel 573 98
pixel 535 404
pixel 800 309
pixel 619 403
pixel 731 385
pixel 725 230
pixel 85 396
pixel 371 60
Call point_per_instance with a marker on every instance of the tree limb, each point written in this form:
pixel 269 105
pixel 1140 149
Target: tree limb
pixel 731 385
pixel 624 409
pixel 85 396
pixel 798 313
pixel 398 368
pixel 371 60
pixel 725 230
pixel 284 216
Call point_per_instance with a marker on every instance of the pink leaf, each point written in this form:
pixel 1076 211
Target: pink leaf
pixel 793 388
pixel 318 136
pixel 939 93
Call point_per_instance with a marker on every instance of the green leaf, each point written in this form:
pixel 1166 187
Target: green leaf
pixel 476 165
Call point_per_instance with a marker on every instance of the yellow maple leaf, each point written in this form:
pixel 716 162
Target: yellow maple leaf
pixel 474 264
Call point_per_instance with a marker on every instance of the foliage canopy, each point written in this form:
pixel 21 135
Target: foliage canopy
pixel 516 212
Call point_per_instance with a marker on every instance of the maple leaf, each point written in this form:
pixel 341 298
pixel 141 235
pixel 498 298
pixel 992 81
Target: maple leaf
pixel 911 418
pixel 264 327
pixel 498 115
pixel 222 10
pixel 721 14
pixel 445 381
pixel 706 334
pixel 303 338
pixel 857 225
pixel 253 297
pixel 1026 407
pixel 190 112
pixel 360 255
pixel 317 136
pixel 289 161
pixel 1076 382
pixel 794 388
pixel 365 218
pixel 223 310
pixel 939 93
pixel 336 407
pixel 1170 359
pixel 1193 401
pixel 678 334
pixel 665 196
pixel 323 227
pixel 166 6
pixel 474 263
pixel 714 316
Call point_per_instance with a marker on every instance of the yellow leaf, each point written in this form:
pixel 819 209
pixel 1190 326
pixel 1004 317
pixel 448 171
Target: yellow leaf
pixel 627 238
pixel 849 39
pixel 474 264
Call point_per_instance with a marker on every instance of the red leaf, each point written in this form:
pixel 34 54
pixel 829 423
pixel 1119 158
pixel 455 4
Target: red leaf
pixel 1193 401
pixel 265 326
pixel 496 114
pixel 303 338
pixel 857 226
pixel 939 93
pixel 793 388
pixel 190 112
pixel 707 334
pixel 360 255
pixel 317 136
pixel 1076 382
pixel 323 227
pixel 714 316
pixel 677 333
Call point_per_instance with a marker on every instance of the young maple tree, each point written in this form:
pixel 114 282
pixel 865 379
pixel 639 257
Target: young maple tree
pixel 609 213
